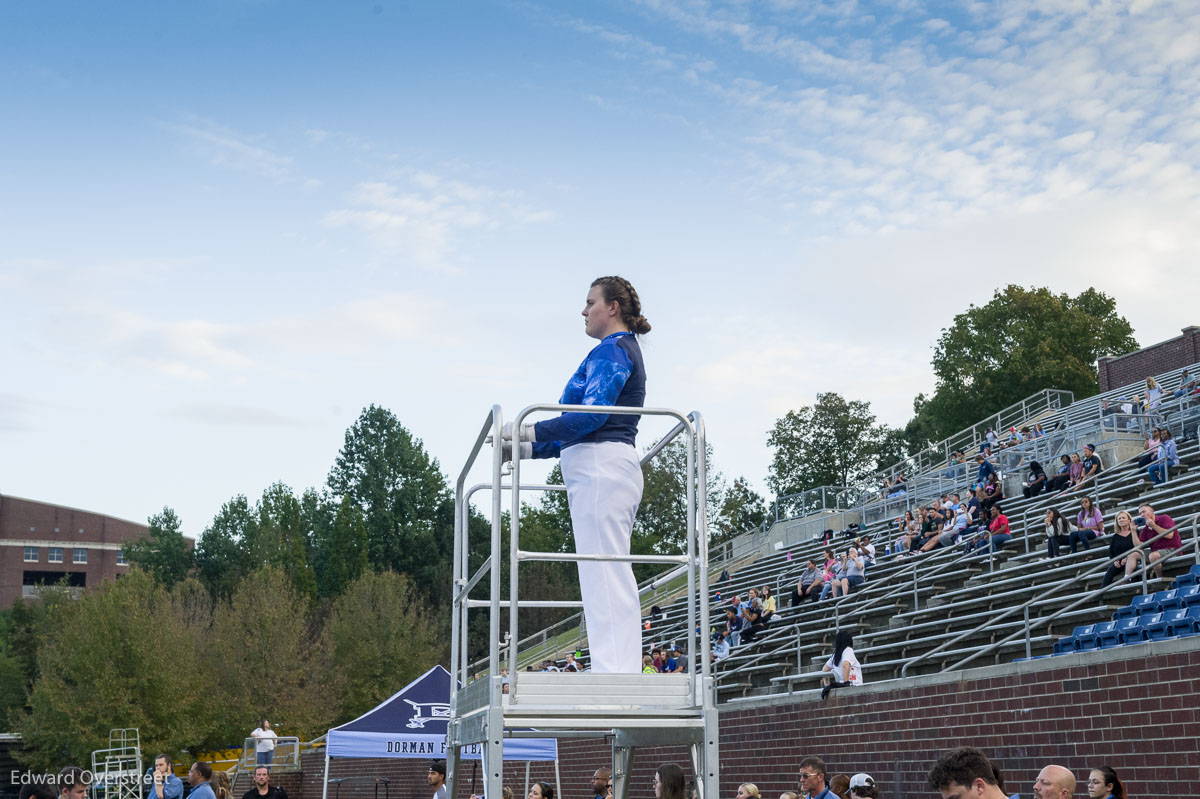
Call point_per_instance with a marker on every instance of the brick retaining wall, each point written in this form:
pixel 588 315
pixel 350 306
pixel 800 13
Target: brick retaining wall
pixel 1135 709
pixel 1166 356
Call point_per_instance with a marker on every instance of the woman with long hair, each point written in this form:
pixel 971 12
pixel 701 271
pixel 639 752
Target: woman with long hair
pixel 1090 523
pixel 844 666
pixel 668 782
pixel 601 469
pixel 221 784
pixel 1121 548
pixel 1058 532
pixel 1103 783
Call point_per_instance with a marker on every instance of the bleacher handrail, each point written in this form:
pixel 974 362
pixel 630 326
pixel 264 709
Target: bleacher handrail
pixel 1051 590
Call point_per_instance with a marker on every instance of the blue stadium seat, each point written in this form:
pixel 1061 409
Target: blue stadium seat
pixel 1135 608
pixel 1188 625
pixel 1137 633
pixel 1189 596
pixel 1070 643
pixel 1191 578
pixel 1160 630
pixel 1168 600
pixel 1108 635
pixel 1087 640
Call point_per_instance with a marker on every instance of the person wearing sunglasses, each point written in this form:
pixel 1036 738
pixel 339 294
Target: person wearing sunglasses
pixel 812 779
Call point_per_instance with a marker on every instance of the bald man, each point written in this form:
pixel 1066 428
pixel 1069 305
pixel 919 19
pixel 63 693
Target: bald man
pixel 1054 782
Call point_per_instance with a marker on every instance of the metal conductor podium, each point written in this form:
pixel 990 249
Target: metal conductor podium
pixel 631 710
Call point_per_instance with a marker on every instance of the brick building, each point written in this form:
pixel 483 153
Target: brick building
pixel 1165 356
pixel 42 544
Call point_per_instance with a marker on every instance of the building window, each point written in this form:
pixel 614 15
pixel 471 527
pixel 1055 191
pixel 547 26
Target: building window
pixel 31 554
pixel 81 556
pixel 121 559
pixel 55 555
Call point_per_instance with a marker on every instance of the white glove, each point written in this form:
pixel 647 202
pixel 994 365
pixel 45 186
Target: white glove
pixel 525 451
pixel 527 434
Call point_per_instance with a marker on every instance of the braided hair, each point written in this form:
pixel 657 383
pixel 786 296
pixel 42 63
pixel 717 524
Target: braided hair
pixel 619 290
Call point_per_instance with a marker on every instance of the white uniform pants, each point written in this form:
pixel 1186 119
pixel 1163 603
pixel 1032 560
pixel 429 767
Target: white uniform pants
pixel 604 488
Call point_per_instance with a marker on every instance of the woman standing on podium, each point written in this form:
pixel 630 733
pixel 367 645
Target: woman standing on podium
pixel 601 469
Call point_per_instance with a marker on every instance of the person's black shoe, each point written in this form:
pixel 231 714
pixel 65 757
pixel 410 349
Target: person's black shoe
pixel 825 691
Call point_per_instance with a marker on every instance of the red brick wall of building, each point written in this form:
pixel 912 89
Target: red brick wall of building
pixel 1165 356
pixel 1137 710
pixel 29 520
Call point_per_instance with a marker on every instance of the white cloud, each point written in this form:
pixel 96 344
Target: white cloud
pixel 228 148
pixel 423 214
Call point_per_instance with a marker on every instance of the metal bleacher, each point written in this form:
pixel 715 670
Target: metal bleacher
pixel 946 609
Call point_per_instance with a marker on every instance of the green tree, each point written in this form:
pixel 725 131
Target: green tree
pixel 742 509
pixel 661 523
pixel 222 553
pixel 260 656
pixel 406 505
pixel 833 442
pixel 378 636
pixel 282 539
pixel 117 657
pixel 1022 341
pixel 342 553
pixel 164 552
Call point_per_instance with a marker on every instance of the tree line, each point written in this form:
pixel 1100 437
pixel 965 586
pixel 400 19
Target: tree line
pixel 992 356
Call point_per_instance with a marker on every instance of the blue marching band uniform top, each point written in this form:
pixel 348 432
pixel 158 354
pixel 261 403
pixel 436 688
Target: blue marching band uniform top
pixel 611 374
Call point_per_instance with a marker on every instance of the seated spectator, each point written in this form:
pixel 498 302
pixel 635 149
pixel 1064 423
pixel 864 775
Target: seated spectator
pixel 862 786
pixel 839 784
pixel 990 438
pixel 899 487
pixel 1058 532
pixel 992 492
pixel 855 573
pixel 1122 543
pixel 677 662
pixel 572 664
pixel 1103 783
pixel 1092 465
pixel 1154 524
pixel 1090 524
pixel 1167 458
pixel 721 647
pixel 1036 482
pixel 768 604
pixel 1151 449
pixel 833 578
pixel 844 668
pixel 1076 472
pixel 906 529
pixel 999 533
pixel 809 586
pixel 752 622
pixel 1187 385
pixel 1105 410
pixel 1038 432
pixel 733 627
pixel 947 537
pixel 866 549
pixel 648 666
pixel 1063 478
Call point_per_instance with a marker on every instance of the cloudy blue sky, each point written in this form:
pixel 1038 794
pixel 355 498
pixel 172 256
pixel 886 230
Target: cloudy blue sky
pixel 226 227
